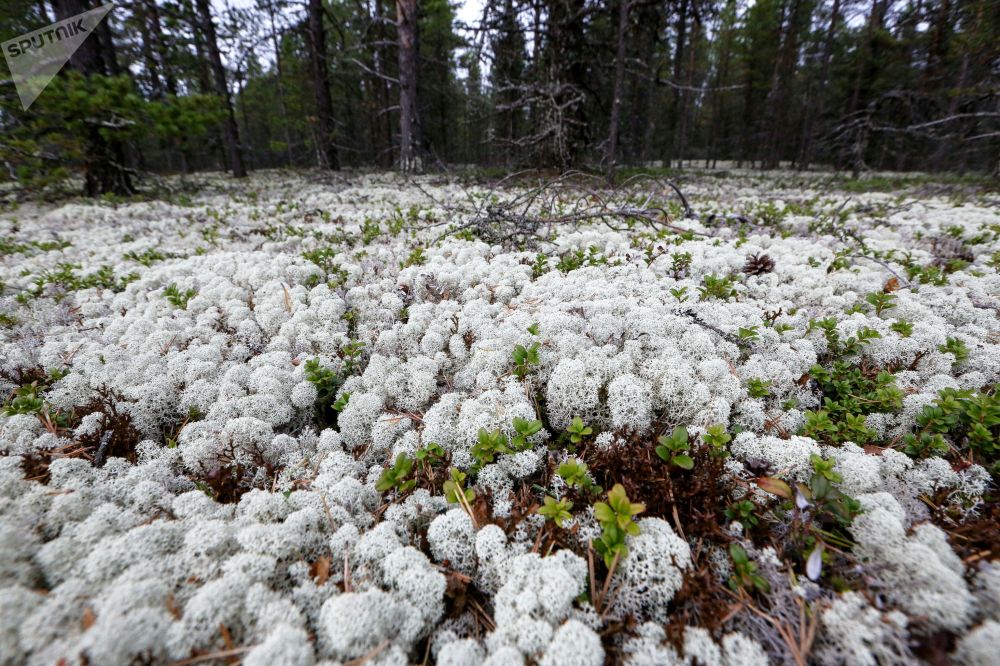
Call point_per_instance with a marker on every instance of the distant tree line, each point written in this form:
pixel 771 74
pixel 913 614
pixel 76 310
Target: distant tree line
pixel 187 85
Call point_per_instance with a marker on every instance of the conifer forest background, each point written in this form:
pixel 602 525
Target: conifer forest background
pixel 174 86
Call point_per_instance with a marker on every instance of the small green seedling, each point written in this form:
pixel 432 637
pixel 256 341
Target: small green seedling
pixel 416 258
pixel 745 576
pixel 673 448
pixel 758 388
pixel 881 301
pixel 957 348
pixel 716 438
pixel 904 328
pixel 574 473
pixel 524 429
pixel 615 518
pixel 743 512
pixel 178 298
pixel 397 476
pixel 324 379
pixel 342 401
pixel 556 510
pixel 578 430
pixel 454 488
pixel 489 444
pixel 432 453
pixel 680 264
pixel 25 401
pixel 924 445
pixel 525 358
pixel 824 468
pixel 352 353
pixel 713 286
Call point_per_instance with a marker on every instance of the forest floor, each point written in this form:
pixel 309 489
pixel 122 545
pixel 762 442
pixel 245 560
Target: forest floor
pixel 358 418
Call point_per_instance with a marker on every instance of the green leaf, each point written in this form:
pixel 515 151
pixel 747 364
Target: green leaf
pixel 683 461
pixel 604 513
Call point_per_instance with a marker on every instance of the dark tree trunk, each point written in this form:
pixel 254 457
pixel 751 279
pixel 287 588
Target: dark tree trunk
pixel 817 102
pixel 166 70
pixel 111 67
pixel 683 113
pixel 380 64
pixel 203 78
pixel 409 116
pixel 231 132
pixel 280 76
pixel 148 50
pixel 682 19
pixel 104 155
pixel 321 88
pixel 938 48
pixel 616 101
pixel 784 74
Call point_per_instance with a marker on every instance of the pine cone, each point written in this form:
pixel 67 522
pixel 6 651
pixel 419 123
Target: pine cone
pixel 758 264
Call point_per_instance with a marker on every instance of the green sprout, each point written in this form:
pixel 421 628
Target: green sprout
pixel 578 430
pixel 340 403
pixel 881 301
pixel 956 348
pixel 758 388
pixel 524 429
pixel 824 468
pixel 742 512
pixel 716 438
pixel 454 488
pixel 615 518
pixel 524 358
pixel 904 328
pixel 397 476
pixel 178 298
pixel 575 474
pixel 489 444
pixel 556 510
pixel 713 286
pixel 745 576
pixel 673 448
pixel 432 453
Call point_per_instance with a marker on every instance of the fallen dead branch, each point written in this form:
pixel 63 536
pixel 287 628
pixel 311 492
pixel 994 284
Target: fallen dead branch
pixel 522 217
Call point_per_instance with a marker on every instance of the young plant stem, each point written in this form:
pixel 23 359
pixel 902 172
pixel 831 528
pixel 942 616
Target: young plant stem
pixel 607 580
pixel 460 494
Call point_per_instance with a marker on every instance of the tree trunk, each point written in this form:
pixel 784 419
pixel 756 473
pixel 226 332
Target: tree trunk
pixel 321 87
pixel 409 115
pixel 683 113
pixel 944 149
pixel 148 52
pixel 166 71
pixel 817 103
pixel 104 155
pixel 876 19
pixel 231 132
pixel 616 102
pixel 280 75
pixel 682 19
pixel 784 75
pixel 380 63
